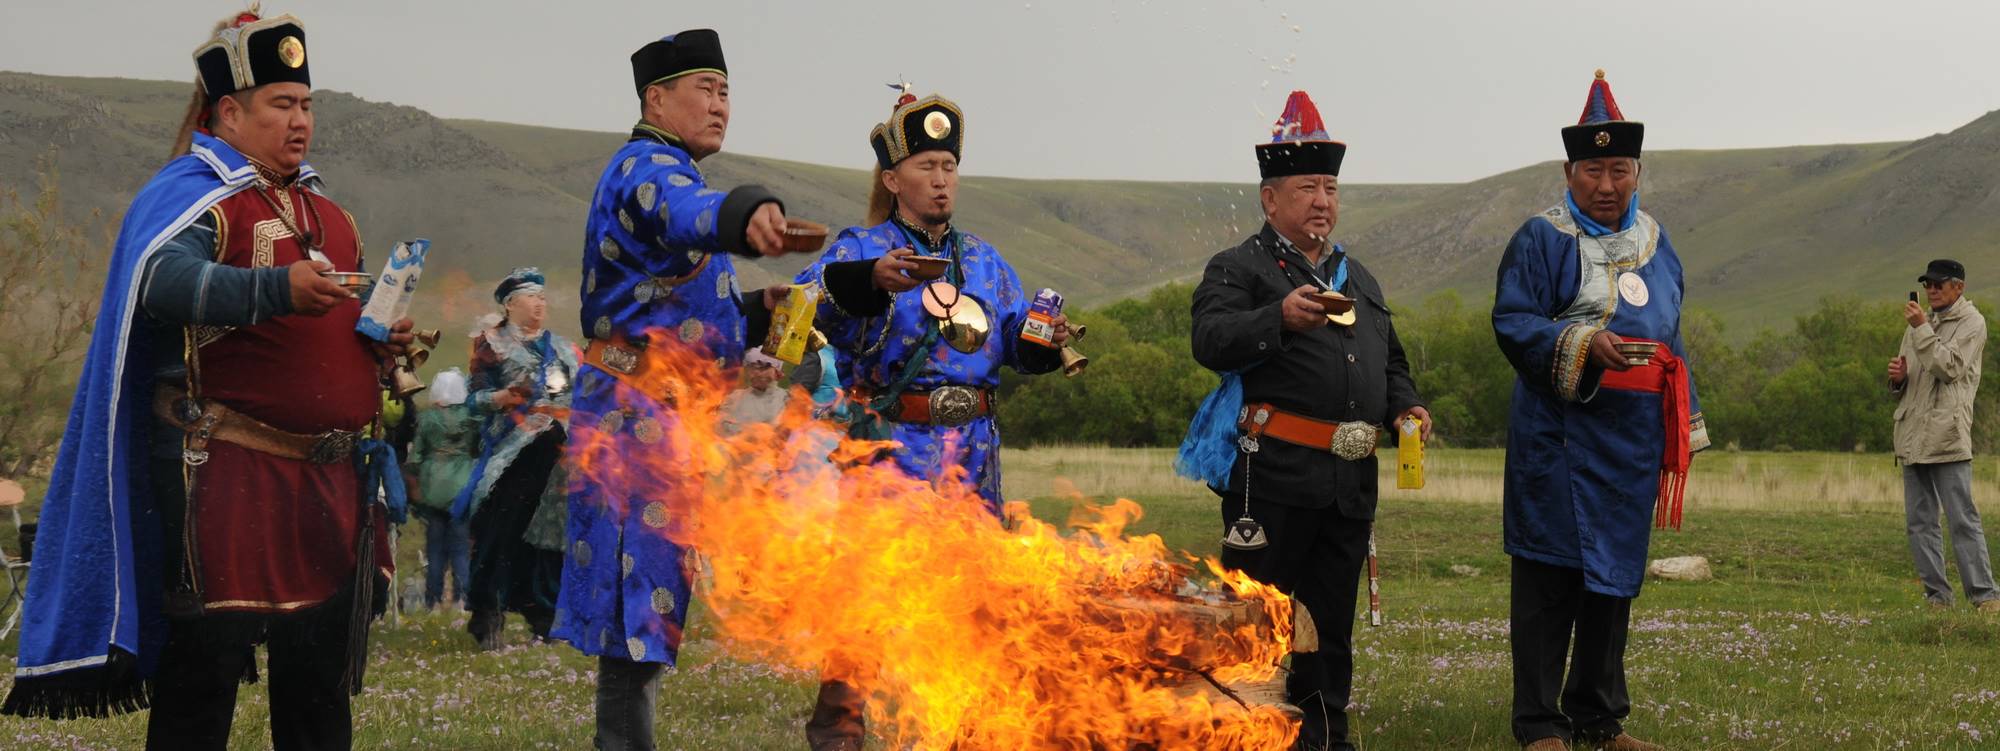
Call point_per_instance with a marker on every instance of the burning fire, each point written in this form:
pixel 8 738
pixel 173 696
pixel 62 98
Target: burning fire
pixel 963 632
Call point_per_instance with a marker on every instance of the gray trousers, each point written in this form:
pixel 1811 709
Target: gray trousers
pixel 1926 488
pixel 626 694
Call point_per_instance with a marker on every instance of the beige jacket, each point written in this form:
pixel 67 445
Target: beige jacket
pixel 1934 409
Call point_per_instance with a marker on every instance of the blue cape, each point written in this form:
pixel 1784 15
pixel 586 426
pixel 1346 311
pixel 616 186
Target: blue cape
pixel 92 627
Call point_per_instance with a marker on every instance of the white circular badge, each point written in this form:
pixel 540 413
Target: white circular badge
pixel 1633 289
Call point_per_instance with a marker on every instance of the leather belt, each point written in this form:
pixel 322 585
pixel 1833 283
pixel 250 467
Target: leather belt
pixel 945 406
pixel 1348 440
pixel 617 356
pixel 205 421
pixel 625 360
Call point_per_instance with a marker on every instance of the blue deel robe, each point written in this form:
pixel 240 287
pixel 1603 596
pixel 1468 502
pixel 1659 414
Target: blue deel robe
pixel 656 261
pixel 872 349
pixel 1583 462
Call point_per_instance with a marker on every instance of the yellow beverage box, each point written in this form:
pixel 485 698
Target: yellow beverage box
pixel 792 324
pixel 1410 455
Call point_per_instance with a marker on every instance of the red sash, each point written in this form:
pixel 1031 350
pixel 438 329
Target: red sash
pixel 1667 376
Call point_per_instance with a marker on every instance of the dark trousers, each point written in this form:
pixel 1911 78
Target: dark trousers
pixel 447 548
pixel 1316 556
pixel 836 718
pixel 1549 605
pixel 507 572
pixel 626 692
pixel 194 692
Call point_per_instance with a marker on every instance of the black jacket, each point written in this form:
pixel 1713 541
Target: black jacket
pixel 1335 373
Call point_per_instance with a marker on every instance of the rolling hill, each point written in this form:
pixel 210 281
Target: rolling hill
pixel 1763 233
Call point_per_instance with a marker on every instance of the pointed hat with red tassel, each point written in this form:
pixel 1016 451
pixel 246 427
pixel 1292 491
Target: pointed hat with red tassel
pixel 1299 143
pixel 1602 130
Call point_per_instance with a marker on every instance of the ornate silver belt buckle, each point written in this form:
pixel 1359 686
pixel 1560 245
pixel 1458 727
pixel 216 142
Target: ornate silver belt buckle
pixel 952 406
pixel 621 359
pixel 1353 441
pixel 333 446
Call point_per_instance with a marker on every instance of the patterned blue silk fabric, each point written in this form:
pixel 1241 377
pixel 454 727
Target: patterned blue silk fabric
pixel 873 349
pixel 653 264
pixel 1583 462
pixel 502 359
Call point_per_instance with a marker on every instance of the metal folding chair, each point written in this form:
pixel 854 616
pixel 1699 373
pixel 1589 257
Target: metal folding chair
pixel 11 497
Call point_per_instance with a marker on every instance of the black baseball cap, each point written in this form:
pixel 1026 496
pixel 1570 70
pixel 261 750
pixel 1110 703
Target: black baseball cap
pixel 1943 269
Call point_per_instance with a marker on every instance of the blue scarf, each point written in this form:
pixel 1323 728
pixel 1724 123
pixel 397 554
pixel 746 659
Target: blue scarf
pixel 1208 452
pixel 92 626
pixel 1591 227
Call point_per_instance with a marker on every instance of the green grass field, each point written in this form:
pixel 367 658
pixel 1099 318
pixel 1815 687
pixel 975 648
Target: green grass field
pixel 1813 635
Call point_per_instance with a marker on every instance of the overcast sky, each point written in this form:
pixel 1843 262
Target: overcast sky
pixel 1135 89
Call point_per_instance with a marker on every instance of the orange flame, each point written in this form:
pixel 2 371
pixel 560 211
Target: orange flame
pixel 963 633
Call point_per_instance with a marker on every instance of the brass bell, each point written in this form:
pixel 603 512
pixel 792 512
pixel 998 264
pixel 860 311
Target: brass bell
pixel 407 384
pixel 1073 362
pixel 403 377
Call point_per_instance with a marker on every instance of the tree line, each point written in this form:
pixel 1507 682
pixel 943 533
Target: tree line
pixel 1821 385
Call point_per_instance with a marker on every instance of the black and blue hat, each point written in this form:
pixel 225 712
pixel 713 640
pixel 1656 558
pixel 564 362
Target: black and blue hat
pixel 524 279
pixel 691 51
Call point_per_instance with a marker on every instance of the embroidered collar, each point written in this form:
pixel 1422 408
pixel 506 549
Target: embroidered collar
pixel 270 176
pixel 647 131
pixel 930 241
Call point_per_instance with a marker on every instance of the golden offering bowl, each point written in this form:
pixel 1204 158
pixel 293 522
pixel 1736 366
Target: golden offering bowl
pixel 1339 307
pixel 1638 353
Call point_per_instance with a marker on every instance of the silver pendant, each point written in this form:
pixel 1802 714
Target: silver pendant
pixel 1248 444
pixel 194 458
pixel 1245 534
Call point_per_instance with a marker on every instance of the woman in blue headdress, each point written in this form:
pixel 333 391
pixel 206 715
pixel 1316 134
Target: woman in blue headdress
pixel 520 386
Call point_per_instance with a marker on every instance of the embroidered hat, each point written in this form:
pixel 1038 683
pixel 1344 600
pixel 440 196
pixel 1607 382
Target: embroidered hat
pixel 933 123
pixel 250 52
pixel 1602 130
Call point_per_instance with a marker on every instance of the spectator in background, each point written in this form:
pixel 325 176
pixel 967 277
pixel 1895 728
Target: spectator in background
pixel 1935 377
pixel 761 399
pixel 446 444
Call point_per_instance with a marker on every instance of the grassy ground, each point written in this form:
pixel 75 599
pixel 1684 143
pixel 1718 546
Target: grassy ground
pixel 1813 635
